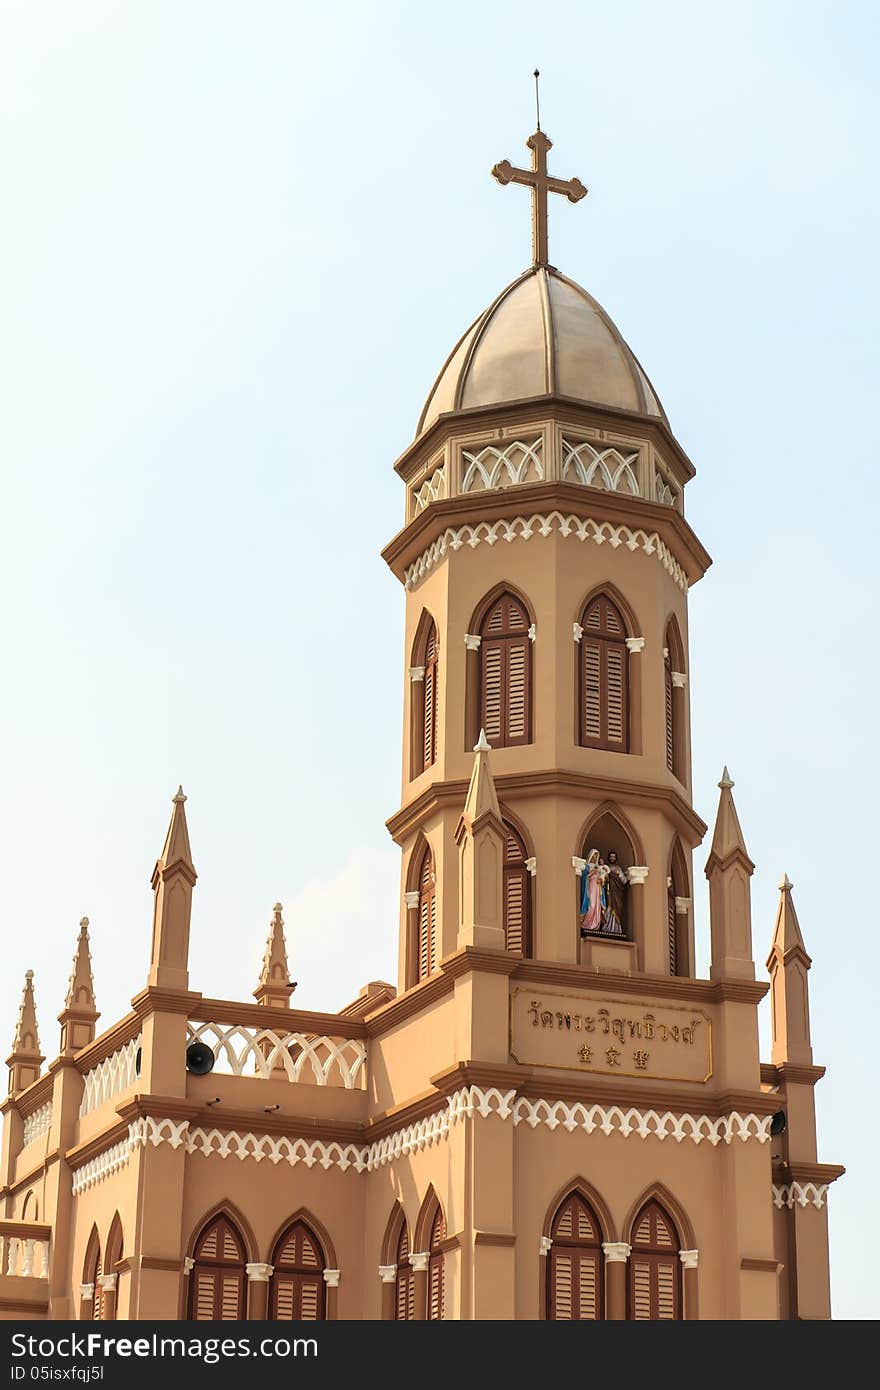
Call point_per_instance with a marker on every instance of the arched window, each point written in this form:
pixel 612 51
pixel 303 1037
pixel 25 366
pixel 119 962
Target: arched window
pixel 112 1256
pixel 654 1266
pixel 405 1288
pixel 436 1288
pixel 673 687
pixel 424 676
pixel 217 1281
pixel 92 1271
pixel 296 1289
pixel 603 714
pixel 670 730
pixel 506 673
pixel 678 892
pixel 517 894
pixel 574 1263
pixel 427 957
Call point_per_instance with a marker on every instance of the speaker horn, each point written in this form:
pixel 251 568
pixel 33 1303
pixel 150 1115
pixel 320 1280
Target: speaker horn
pixel 200 1058
pixel 778 1123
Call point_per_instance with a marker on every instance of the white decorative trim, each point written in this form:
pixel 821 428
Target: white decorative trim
pixel 681 906
pixel 520 460
pixel 689 1258
pixel 578 864
pixel 419 1261
pixel 644 1123
pixel 608 468
pixel 259 1273
pixel 24 1256
pixel 577 631
pixel 544 1244
pixel 148 1130
pixel 101 1167
pixel 388 1273
pixel 637 873
pixel 801 1193
pixel 532 865
pixel 412 899
pixel 110 1076
pixel 679 679
pixel 416 674
pixel 86 1293
pixel 472 641
pixel 616 1252
pixel 523 528
pixel 36 1123
pixel 532 632
pixel 108 1282
pixel 635 644
pixel 261 1052
pixel 430 489
pixel 188 1264
pixel 331 1278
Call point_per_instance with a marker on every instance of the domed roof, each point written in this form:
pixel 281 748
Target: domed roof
pixel 543 336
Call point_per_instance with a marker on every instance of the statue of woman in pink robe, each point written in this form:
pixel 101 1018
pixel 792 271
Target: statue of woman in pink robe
pixel 593 894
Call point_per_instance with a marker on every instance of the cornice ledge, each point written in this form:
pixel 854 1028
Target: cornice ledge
pixel 505 1238
pixel 119 1033
pixel 795 1073
pixel 501 1075
pixel 81 1153
pixel 152 1000
pixel 158 1108
pixel 30 1099
pixel 291 1126
pixel 287 1020
pixel 808 1172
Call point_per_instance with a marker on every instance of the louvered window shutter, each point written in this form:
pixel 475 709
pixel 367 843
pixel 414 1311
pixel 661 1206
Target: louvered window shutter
pixel 604 678
pixel 517 895
pixel 404 1303
pixel 218 1282
pixel 428 945
pixel 296 1289
pixel 670 738
pixel 575 1264
pixel 429 709
pixel 98 1294
pixel 436 1310
pixel 655 1268
pixel 506 674
pixel 672 929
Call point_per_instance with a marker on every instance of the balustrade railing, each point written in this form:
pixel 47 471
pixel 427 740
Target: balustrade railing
pixel 247 1050
pixel 110 1076
pixel 24 1249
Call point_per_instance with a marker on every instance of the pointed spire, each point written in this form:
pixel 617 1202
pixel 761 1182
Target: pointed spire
pixel 79 1015
pixel 173 881
pixel 275 986
pixel 25 1059
pixel 789 964
pixel 480 840
pixel 728 837
pixel 729 870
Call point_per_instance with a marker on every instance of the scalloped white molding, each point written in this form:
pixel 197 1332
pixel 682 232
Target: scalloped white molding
pixel 36 1123
pixel 801 1193
pixel 101 1167
pixel 523 528
pixel 430 489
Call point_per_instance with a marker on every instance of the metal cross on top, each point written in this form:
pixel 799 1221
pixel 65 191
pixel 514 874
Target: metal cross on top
pixel 541 183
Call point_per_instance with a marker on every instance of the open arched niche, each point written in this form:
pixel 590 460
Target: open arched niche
pixel 609 832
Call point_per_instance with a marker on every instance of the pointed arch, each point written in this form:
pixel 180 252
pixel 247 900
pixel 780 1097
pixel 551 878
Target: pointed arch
pixel 518 895
pixel 610 832
pixel 424 688
pixel 655 1273
pixel 610 818
pixel 92 1271
pixel 396 1219
pixel 631 622
pixel 592 1197
pixel 498 696
pixel 426 955
pixel 239 1220
pixel 218 1278
pixel 603 675
pixel 297 1291
pixel 30 1210
pixel 430 1237
pixel 673 695
pixel 396 1251
pixel 114 1244
pixel 678 893
pixel 658 1192
pixel 575 1260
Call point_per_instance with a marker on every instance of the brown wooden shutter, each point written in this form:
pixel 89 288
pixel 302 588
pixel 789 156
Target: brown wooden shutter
pixel 404 1301
pixel 672 931
pixel 435 1269
pixel 427 960
pixel 429 707
pixel 670 733
pixel 655 1267
pixel 98 1293
pixel 575 1265
pixel 506 674
pixel 603 718
pixel 218 1282
pixel 517 894
pixel 296 1288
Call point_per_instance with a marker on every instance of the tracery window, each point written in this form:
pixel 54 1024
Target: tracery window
pixel 296 1288
pixel 575 1263
pixel 217 1281
pixel 603 695
pixel 654 1266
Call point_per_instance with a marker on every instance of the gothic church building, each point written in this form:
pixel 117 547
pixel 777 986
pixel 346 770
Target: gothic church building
pixel 550 1116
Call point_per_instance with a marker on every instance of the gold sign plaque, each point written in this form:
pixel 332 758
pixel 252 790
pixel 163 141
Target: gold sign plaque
pixel 599 1035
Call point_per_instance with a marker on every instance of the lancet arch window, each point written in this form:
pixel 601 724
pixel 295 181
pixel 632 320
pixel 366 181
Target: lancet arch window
pixel 505 682
pixel 436 1277
pixel 424 676
pixel 673 691
pixel 575 1263
pixel 92 1270
pixel 428 952
pixel 296 1288
pixel 517 893
pixel 603 685
pixel 404 1289
pixel 218 1281
pixel 654 1266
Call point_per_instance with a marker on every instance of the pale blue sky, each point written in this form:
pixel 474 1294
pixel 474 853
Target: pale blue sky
pixel 237 242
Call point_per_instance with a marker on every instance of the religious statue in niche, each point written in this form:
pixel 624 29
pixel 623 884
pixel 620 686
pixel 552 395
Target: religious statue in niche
pixel 603 895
